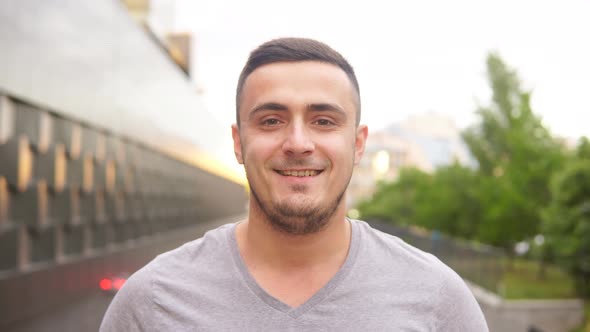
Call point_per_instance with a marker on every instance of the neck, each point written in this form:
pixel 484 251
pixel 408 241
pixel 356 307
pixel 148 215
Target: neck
pixel 262 244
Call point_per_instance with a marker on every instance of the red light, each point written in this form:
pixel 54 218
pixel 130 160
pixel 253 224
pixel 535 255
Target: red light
pixel 118 283
pixel 106 284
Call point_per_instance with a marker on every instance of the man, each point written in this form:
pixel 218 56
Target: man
pixel 296 263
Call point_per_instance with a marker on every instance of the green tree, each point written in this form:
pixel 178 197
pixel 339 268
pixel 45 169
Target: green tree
pixel 500 201
pixel 397 201
pixel 516 156
pixel 450 203
pixel 445 201
pixel 583 150
pixel 566 221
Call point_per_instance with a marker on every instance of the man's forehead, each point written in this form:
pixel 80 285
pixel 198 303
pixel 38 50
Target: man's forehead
pixel 318 68
pixel 276 78
pixel 302 73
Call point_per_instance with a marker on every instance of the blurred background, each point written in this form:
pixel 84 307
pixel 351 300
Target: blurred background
pixel 115 142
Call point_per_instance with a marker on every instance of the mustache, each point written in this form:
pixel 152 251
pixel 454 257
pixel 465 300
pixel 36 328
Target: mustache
pixel 291 163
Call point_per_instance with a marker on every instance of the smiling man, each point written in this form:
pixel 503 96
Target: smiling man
pixel 296 263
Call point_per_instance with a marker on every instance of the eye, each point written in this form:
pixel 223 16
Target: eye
pixel 270 122
pixel 324 122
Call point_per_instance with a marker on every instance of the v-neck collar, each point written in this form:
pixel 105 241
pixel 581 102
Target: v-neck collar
pixel 314 299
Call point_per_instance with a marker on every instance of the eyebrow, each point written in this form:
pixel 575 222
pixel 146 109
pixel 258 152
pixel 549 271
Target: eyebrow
pixel 323 107
pixel 319 107
pixel 268 107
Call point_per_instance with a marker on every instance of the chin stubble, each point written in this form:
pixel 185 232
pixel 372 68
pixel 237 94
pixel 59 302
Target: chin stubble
pixel 296 220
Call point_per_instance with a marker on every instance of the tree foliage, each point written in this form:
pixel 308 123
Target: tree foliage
pixel 516 156
pixel 526 183
pixel 446 200
pixel 566 221
pixel 398 201
pixel 583 150
pixel 450 202
pixel 500 201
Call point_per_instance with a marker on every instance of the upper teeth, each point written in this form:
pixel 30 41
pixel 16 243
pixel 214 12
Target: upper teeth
pixel 300 173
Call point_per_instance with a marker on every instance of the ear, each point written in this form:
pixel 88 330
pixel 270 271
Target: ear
pixel 235 133
pixel 362 131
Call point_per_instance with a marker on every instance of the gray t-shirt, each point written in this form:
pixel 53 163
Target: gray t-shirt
pixel 384 285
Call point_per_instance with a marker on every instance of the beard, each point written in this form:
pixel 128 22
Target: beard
pixel 303 217
pixel 298 219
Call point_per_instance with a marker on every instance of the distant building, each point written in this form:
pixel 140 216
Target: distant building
pixel 425 141
pixel 138 9
pixel 157 18
pixel 437 135
pixel 385 155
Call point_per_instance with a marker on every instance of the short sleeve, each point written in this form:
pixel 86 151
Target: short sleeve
pixel 132 307
pixel 458 310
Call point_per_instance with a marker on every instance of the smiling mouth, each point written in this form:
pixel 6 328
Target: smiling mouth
pixel 299 173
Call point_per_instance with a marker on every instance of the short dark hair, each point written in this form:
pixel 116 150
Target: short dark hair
pixel 295 50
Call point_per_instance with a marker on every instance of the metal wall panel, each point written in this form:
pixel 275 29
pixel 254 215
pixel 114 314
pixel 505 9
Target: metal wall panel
pixel 58 205
pixel 90 61
pixel 88 187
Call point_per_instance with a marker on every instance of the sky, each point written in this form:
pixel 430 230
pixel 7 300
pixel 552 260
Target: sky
pixel 410 57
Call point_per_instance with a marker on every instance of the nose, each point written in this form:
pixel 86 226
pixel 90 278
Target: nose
pixel 298 140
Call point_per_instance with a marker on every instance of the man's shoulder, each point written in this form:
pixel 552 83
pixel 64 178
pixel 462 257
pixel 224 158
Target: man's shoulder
pixel 168 276
pixel 421 276
pixel 389 249
pixel 390 244
pixel 208 249
pixel 185 260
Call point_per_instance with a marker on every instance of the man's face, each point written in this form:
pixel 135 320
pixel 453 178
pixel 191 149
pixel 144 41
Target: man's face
pixel 298 141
